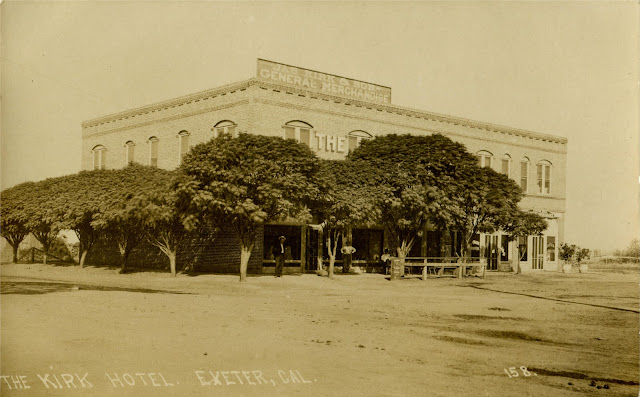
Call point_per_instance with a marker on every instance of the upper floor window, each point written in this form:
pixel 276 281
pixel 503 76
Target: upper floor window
pixel 524 174
pixel 544 177
pixel 484 158
pixel 129 147
pixel 183 143
pixel 355 137
pixel 153 151
pixel 99 157
pixel 298 130
pixel 506 165
pixel 225 127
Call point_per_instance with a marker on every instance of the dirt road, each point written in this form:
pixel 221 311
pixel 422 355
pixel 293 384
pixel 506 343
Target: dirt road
pixel 93 332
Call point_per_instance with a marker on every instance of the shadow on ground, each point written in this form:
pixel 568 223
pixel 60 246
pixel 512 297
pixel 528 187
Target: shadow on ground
pixel 39 288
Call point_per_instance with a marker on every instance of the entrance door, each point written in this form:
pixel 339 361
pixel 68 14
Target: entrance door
pixel 492 249
pixel 537 253
pixel 312 249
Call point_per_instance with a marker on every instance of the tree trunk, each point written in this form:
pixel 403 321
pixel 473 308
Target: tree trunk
pixel 332 250
pixel 44 257
pixel 172 262
pixel 245 254
pixel 15 253
pixel 402 254
pixel 125 257
pixel 346 258
pixel 83 256
pixel 332 255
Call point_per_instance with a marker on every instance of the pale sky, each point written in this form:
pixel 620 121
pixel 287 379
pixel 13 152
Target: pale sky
pixel 563 68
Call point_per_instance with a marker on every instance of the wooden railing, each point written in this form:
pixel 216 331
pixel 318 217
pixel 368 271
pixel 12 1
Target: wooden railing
pixel 436 266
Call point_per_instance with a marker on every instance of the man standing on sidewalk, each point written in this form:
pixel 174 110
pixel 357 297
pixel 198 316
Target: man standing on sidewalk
pixel 278 255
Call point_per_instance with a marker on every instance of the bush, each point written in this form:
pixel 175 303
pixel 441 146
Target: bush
pixel 567 252
pixel 57 251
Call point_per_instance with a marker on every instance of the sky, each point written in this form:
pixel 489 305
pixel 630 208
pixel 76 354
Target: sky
pixel 563 68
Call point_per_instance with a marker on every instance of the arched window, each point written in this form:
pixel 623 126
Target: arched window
pixel 183 144
pixel 225 127
pixel 129 152
pixel 298 130
pixel 484 158
pixel 355 137
pixel 153 151
pixel 99 157
pixel 506 165
pixel 524 174
pixel 544 176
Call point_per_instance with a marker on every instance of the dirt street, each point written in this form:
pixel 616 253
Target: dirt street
pixel 93 332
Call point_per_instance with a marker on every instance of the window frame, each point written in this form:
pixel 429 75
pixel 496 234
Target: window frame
pixel 224 125
pixel 505 158
pixel 298 127
pixel 359 136
pixel 182 137
pixel 99 152
pixel 130 152
pixel 482 156
pixel 524 178
pixel 153 141
pixel 543 177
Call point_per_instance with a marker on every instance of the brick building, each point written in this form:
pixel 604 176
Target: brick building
pixel 332 115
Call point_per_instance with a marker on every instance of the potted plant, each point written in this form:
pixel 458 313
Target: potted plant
pixel 566 253
pixel 581 255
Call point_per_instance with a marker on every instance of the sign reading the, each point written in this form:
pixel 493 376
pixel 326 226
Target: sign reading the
pixel 321 82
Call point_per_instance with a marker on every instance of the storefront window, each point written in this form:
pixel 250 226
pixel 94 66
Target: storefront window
pixel 551 248
pixel 368 244
pixel 504 248
pixel 291 246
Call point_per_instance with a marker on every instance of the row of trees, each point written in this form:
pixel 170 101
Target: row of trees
pixel 631 251
pixel 399 181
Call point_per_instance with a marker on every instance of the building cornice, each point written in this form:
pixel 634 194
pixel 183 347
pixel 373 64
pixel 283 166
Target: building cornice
pixel 243 85
pixel 171 103
pixel 430 130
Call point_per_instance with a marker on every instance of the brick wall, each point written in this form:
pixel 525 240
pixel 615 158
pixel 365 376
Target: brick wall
pixel 203 252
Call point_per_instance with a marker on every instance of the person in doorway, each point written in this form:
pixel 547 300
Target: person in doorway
pixel 278 255
pixel 386 259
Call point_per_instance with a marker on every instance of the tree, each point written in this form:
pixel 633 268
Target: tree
pixel 81 198
pixel 483 201
pixel 582 254
pixel 632 250
pixel 353 193
pixel 406 211
pixel 523 224
pixel 122 215
pixel 246 182
pixel 567 252
pixel 14 215
pixel 419 170
pixel 44 216
pixel 164 223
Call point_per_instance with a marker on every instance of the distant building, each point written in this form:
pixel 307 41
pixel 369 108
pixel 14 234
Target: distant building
pixel 332 115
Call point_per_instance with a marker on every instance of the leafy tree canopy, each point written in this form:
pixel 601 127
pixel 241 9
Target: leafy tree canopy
pixel 125 206
pixel 247 181
pixel 14 215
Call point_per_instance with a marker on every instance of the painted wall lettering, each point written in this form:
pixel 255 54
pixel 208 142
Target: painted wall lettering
pixel 321 82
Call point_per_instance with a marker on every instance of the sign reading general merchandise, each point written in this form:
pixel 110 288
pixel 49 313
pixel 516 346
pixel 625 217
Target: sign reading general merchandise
pixel 322 82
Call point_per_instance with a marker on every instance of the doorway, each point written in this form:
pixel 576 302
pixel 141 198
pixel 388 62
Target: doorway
pixel 492 249
pixel 537 253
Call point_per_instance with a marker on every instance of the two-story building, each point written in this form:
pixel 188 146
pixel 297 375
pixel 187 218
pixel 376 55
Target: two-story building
pixel 332 114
